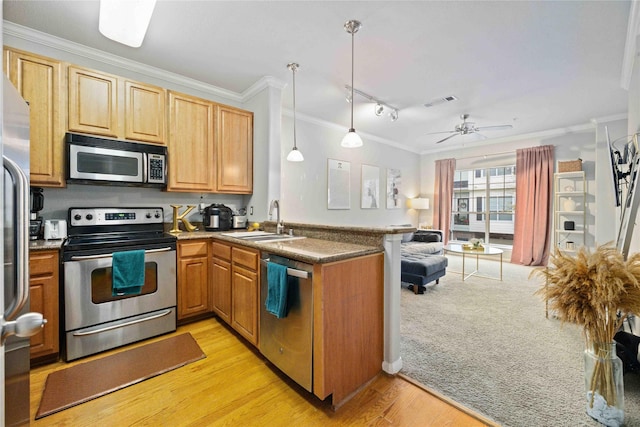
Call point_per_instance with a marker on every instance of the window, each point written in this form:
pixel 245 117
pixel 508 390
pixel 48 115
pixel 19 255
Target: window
pixel 483 205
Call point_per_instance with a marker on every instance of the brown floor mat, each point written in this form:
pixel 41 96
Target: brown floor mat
pixel 80 383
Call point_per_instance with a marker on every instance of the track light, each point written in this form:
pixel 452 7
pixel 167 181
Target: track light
pixel 348 97
pixel 379 106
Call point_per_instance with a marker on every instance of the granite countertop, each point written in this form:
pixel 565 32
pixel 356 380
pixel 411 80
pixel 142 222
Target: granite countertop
pixel 45 245
pixel 302 249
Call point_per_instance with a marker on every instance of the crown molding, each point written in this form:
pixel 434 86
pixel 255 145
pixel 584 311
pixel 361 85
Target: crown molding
pixel 44 39
pixel 631 45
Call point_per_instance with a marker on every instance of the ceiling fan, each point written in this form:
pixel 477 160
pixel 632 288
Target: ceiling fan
pixel 466 128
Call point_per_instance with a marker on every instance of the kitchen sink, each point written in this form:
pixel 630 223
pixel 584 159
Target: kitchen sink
pixel 262 236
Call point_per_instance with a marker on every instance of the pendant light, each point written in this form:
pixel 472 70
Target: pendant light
pixel 352 139
pixel 294 155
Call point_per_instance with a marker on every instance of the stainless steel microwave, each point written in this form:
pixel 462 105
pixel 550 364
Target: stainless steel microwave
pixel 93 160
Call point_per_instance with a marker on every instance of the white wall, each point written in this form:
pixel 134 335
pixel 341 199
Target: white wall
pixel 304 184
pixel 633 126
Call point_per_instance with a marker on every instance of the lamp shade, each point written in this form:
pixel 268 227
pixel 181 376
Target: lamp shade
pixel 420 203
pixel 351 139
pixel 295 155
pixel 125 21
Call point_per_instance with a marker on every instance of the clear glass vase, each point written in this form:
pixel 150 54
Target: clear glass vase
pixel 603 377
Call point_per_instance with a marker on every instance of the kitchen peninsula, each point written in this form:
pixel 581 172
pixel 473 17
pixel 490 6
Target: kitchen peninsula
pixel 349 282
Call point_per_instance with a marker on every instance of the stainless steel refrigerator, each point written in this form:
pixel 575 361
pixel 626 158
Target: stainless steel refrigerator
pixel 16 324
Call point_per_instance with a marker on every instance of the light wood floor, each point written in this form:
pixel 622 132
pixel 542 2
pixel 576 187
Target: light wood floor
pixel 235 386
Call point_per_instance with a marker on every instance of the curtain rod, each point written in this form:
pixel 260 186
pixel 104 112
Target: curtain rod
pixel 486 155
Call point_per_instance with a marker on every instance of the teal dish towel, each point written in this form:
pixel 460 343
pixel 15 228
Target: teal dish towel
pixel 277 290
pixel 127 273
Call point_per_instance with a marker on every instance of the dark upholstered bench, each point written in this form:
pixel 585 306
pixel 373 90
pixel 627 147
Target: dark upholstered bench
pixel 420 270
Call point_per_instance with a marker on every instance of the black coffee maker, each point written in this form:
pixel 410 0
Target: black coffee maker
pixel 36 203
pixel 217 217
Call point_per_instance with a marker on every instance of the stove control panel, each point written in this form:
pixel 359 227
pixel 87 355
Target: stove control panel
pixel 81 217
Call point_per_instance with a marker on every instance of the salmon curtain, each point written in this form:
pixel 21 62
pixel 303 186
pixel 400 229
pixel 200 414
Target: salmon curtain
pixel 534 189
pixel 442 196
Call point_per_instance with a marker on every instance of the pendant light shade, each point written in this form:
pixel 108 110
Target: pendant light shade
pixel 352 139
pixel 125 21
pixel 294 155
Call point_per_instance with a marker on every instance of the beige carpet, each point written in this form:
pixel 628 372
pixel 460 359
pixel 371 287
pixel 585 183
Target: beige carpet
pixel 488 345
pixel 86 381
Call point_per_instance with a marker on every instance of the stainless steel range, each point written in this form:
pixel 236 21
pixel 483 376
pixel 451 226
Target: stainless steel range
pixel 96 316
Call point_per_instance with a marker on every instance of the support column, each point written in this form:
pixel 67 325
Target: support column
pixel 392 362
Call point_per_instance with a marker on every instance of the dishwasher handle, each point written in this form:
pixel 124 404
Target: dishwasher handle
pixel 291 271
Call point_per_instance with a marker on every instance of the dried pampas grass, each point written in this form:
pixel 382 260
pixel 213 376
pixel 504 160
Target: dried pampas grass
pixel 592 289
pixel 595 290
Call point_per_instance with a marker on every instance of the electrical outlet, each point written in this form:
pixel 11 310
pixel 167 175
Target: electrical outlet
pixel 202 206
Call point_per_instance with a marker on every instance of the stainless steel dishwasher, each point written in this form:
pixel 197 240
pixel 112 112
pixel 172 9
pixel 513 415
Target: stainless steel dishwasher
pixel 288 342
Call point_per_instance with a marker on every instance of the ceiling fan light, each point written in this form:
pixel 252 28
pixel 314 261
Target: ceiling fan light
pixel 379 109
pixel 351 139
pixel 125 21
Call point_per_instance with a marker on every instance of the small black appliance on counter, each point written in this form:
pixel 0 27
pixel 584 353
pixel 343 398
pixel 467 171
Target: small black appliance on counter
pixel 217 217
pixel 36 205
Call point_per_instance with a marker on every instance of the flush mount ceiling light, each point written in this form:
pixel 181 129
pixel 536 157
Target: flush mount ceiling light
pixel 125 21
pixel 379 106
pixel 294 155
pixel 352 139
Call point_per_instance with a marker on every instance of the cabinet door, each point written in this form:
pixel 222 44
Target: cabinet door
pixel 39 81
pixel 191 146
pixel 144 112
pixel 93 102
pixel 43 284
pixel 221 288
pixel 234 152
pixel 245 299
pixel 193 279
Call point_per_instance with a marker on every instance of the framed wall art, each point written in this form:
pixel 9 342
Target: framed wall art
pixel 370 192
pixel 394 181
pixel 338 184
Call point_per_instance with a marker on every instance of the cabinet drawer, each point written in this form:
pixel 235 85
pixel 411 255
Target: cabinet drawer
pixel 246 258
pixel 193 248
pixel 42 263
pixel 221 250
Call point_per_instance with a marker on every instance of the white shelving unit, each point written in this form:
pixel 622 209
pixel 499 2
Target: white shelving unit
pixel 569 206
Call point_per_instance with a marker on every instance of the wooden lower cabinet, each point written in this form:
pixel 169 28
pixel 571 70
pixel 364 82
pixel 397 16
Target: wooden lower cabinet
pixel 193 279
pixel 348 325
pixel 221 280
pixel 235 288
pixel 44 284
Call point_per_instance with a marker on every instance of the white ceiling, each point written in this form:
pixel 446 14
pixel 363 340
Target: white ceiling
pixel 538 65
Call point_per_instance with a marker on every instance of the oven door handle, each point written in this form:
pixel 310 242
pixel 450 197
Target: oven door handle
pixel 85 257
pixel 121 325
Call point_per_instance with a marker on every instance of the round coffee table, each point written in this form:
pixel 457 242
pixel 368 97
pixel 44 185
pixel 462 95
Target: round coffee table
pixel 485 250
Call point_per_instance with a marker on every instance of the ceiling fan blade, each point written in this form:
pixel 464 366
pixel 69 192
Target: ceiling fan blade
pixel 499 127
pixel 449 137
pixel 446 131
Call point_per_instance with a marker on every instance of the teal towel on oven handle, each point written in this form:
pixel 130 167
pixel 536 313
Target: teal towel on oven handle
pixel 127 273
pixel 277 290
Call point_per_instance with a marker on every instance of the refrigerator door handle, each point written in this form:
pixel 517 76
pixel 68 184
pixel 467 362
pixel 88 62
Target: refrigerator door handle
pixel 21 237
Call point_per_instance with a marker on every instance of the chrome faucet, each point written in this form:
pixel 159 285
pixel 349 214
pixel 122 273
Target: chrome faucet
pixel 275 204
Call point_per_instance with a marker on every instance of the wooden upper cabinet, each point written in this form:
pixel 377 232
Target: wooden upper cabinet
pixel 144 112
pixel 93 102
pixel 40 82
pixel 191 144
pixel 234 151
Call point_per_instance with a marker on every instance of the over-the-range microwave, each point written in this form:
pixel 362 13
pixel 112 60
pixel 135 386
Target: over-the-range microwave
pixel 93 160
